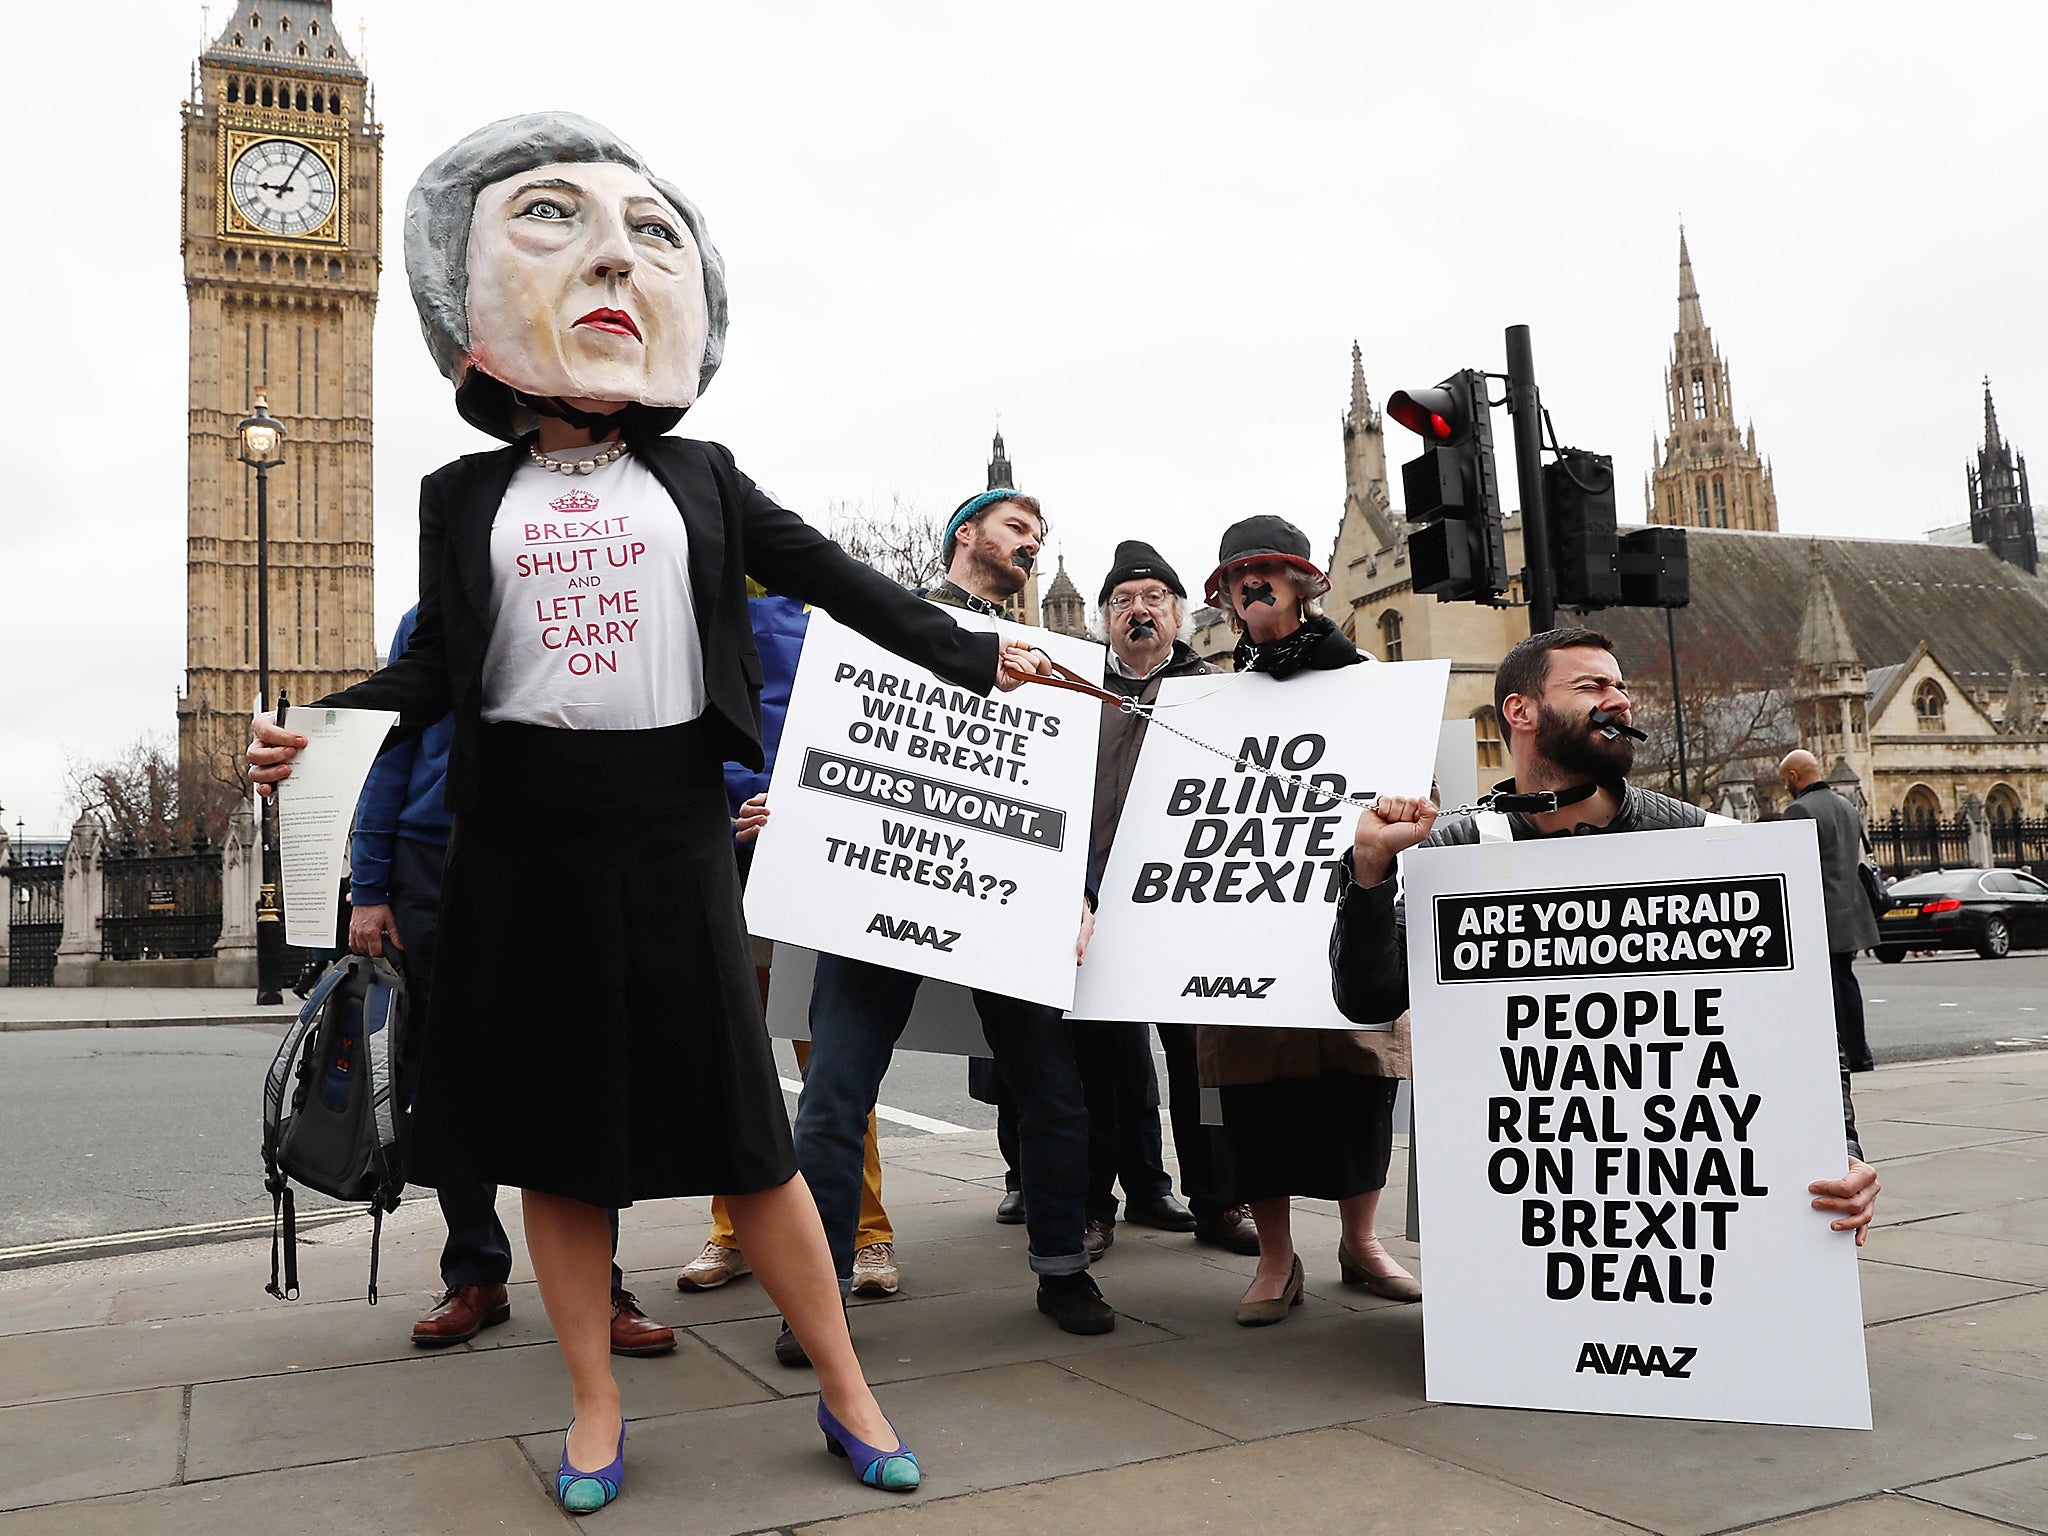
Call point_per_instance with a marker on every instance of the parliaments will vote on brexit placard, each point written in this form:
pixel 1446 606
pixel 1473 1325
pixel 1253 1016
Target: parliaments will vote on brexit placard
pixel 1625 1079
pixel 1217 900
pixel 925 827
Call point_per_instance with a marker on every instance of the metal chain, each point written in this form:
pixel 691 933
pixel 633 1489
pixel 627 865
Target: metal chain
pixel 1365 800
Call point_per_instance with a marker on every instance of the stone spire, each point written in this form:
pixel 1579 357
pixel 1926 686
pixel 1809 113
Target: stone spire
pixel 1824 639
pixel 1689 316
pixel 1000 476
pixel 2001 505
pixel 2019 699
pixel 1708 473
pixel 1361 399
pixel 1064 610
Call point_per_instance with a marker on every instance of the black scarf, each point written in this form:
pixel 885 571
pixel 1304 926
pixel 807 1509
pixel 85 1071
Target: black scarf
pixel 1318 645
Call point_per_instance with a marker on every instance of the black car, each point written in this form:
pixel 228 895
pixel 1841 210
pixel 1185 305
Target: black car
pixel 1992 911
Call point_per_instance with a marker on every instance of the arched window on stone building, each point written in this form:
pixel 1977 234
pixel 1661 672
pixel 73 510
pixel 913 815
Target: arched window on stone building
pixel 1921 805
pixel 1700 495
pixel 1720 503
pixel 1493 752
pixel 1930 706
pixel 2002 805
pixel 1699 394
pixel 1390 635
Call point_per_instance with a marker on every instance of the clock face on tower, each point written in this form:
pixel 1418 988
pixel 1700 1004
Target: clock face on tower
pixel 283 186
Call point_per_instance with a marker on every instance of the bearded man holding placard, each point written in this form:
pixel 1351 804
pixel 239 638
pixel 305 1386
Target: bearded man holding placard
pixel 1559 695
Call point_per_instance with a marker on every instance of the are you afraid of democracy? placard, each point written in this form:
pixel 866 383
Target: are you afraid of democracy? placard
pixel 925 827
pixel 1625 1079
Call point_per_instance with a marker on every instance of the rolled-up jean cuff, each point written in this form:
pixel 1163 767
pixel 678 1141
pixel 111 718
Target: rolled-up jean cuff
pixel 1061 1263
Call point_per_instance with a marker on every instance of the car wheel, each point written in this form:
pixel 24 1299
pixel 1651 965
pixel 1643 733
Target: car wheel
pixel 1891 954
pixel 1997 941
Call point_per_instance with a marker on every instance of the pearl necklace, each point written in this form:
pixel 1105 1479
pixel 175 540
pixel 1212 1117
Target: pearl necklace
pixel 557 466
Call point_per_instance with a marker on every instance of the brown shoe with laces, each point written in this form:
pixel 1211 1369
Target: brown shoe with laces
pixel 633 1331
pixel 461 1312
pixel 714 1267
pixel 875 1272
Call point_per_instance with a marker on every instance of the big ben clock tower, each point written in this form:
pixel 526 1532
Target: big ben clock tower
pixel 283 176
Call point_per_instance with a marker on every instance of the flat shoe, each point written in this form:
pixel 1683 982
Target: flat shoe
pixel 581 1493
pixel 1258 1314
pixel 1393 1287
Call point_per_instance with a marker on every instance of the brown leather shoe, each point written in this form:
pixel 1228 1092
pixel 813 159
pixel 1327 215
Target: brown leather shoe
pixel 460 1313
pixel 1232 1229
pixel 1098 1235
pixel 633 1331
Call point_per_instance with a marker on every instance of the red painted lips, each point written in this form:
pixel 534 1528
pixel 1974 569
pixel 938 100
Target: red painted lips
pixel 617 321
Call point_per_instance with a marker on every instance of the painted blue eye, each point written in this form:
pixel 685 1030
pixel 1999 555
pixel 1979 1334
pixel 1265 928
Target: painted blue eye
pixel 545 210
pixel 660 231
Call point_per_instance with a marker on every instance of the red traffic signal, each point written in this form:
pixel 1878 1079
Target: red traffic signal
pixel 1433 413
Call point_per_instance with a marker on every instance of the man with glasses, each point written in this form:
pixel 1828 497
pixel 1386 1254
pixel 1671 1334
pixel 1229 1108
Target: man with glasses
pixel 1142 613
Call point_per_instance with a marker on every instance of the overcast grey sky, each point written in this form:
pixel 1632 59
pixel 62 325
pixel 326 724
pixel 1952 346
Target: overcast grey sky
pixel 1142 235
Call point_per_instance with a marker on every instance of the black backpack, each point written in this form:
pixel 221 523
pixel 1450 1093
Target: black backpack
pixel 333 1116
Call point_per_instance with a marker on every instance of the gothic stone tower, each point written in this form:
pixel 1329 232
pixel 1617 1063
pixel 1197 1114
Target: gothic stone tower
pixel 283 180
pixel 1830 690
pixel 1707 474
pixel 2001 509
pixel 1022 607
pixel 1064 610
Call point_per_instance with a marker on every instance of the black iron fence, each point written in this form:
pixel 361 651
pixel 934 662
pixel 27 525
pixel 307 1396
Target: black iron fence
pixel 35 920
pixel 161 903
pixel 1910 845
pixel 2015 843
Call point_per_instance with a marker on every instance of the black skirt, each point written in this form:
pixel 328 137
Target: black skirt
pixel 596 1026
pixel 1326 1138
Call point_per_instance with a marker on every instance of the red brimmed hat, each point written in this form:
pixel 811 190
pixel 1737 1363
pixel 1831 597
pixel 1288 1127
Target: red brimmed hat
pixel 1261 538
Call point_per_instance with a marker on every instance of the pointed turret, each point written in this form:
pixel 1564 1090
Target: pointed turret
pixel 1063 610
pixel 1991 438
pixel 1824 639
pixel 2001 504
pixel 1361 399
pixel 2019 699
pixel 1689 317
pixel 1000 476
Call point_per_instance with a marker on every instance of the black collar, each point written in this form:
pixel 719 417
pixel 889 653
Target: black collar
pixel 950 591
pixel 1506 797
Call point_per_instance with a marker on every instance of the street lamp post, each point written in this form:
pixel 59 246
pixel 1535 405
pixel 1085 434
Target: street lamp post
pixel 262 438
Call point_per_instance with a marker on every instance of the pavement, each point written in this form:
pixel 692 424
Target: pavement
pixel 135 1007
pixel 165 1393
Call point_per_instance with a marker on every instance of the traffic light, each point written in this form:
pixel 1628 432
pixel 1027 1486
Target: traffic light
pixel 1578 490
pixel 1461 554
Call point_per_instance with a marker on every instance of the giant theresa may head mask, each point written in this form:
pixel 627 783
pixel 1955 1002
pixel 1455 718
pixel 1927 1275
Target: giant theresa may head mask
pixel 551 268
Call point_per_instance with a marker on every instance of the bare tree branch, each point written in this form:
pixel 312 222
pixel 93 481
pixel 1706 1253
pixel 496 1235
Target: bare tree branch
pixel 904 543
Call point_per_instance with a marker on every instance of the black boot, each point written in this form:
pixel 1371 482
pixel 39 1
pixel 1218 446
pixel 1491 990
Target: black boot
pixel 1075 1303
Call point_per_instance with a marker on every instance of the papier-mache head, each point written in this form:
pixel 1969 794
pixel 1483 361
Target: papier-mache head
pixel 548 263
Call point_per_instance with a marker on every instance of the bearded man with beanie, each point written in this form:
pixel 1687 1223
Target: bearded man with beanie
pixel 1566 714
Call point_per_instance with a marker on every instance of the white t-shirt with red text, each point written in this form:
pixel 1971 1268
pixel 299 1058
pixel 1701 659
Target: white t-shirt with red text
pixel 593 623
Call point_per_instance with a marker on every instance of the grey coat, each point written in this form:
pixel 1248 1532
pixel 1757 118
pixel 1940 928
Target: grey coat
pixel 1851 924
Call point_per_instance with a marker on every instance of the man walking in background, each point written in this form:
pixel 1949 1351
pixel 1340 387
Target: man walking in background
pixel 1852 926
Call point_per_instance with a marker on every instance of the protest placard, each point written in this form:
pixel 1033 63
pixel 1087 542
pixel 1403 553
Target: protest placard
pixel 1215 907
pixel 1625 1079
pixel 919 825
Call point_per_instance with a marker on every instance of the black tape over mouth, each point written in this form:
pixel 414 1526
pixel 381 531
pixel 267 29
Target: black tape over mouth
pixel 1141 627
pixel 1023 560
pixel 1611 728
pixel 1259 593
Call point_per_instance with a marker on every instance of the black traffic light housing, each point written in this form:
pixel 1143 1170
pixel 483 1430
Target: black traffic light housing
pixel 1655 571
pixel 1578 490
pixel 1453 489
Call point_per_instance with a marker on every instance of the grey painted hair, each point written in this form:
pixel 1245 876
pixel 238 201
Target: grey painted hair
pixel 442 202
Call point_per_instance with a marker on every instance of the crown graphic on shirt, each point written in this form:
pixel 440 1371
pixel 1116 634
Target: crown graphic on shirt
pixel 574 504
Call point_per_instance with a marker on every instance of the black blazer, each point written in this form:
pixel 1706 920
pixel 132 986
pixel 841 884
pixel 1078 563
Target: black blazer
pixel 735 530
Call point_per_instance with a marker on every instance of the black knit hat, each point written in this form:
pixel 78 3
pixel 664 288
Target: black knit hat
pixel 1135 560
pixel 1264 537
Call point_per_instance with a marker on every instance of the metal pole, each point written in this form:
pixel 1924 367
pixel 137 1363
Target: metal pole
pixel 269 919
pixel 1525 408
pixel 1677 703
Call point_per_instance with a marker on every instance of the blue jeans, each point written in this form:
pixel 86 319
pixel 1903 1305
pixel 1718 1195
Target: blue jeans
pixel 858 1012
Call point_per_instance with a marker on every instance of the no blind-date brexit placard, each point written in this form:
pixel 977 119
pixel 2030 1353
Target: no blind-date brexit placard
pixel 1623 1087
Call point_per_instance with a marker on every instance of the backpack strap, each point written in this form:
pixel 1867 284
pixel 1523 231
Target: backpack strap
pixel 383 1017
pixel 284 1222
pixel 286 1062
